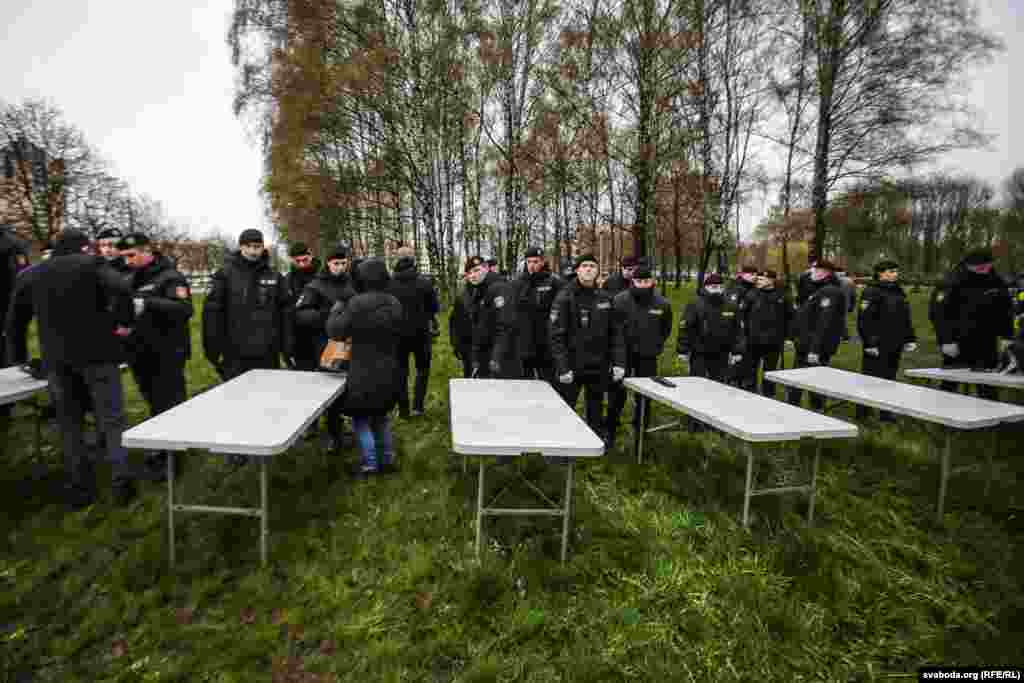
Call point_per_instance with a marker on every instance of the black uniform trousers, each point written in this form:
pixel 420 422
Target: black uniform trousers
pixel 594 385
pixel 796 395
pixel 637 367
pixel 711 365
pixel 306 356
pixel 161 379
pixel 540 366
pixel 419 347
pixel 233 367
pixel 982 354
pixel 768 356
pixel 884 365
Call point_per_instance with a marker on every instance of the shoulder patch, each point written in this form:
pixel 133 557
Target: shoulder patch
pixel 181 292
pixel 499 301
pixel 268 282
pixel 148 288
pixel 544 288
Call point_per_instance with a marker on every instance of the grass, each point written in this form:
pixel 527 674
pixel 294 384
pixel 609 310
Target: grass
pixel 375 581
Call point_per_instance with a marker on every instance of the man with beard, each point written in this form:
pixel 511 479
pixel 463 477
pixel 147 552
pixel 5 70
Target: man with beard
pixel 818 326
pixel 765 322
pixel 885 327
pixel 537 294
pixel 331 286
pixel 304 268
pixel 645 318
pixel 419 303
pixel 971 309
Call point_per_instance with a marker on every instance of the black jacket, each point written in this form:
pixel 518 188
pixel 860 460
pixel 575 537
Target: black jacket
pixel 417 296
pixel 247 312
pixel 646 321
pixel 536 294
pixel 883 319
pixel 711 325
pixel 819 323
pixel 315 304
pixel 372 321
pixel 73 297
pixel 970 308
pixel 297 279
pixel 584 336
pixel 9 251
pixel 163 327
pixel 804 287
pixel 766 317
pixel 736 293
pixel 470 328
pixel 616 283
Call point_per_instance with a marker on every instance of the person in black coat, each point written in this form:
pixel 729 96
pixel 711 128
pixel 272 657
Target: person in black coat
pixel 372 321
pixel 588 348
pixel 619 282
pixel 742 373
pixel 10 250
pixel 472 326
pixel 539 287
pixel 885 327
pixel 419 306
pixel 765 321
pixel 709 338
pixel 971 309
pixel 304 269
pixel 73 296
pixel 818 326
pixel 646 320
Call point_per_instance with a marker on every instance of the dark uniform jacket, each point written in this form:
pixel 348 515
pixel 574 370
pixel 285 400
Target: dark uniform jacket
pixel 536 295
pixel 646 320
pixel 372 321
pixel 73 298
pixel 805 286
pixel 736 293
pixel 819 323
pixel 296 281
pixel 315 304
pixel 470 326
pixel 711 325
pixel 10 249
pixel 766 317
pixel 616 283
pixel 883 318
pixel 970 309
pixel 584 336
pixel 247 312
pixel 417 296
pixel 163 326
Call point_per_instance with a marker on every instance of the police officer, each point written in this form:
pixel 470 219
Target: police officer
pixel 885 327
pixel 971 310
pixel 72 294
pixel 158 340
pixel 539 289
pixel 818 325
pixel 106 246
pixel 330 286
pixel 645 317
pixel 742 373
pixel 765 321
pixel 587 346
pixel 419 306
pixel 10 251
pixel 303 270
pixel 468 327
pixel 709 332
pixel 619 282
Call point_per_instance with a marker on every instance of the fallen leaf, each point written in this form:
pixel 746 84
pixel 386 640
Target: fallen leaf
pixel 248 615
pixel 328 647
pixel 296 631
pixel 424 600
pixel 184 615
pixel 120 648
pixel 279 616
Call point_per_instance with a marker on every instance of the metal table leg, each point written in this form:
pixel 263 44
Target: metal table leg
pixel 170 503
pixel 814 483
pixel 640 431
pixel 566 509
pixel 994 449
pixel 263 514
pixel 750 481
pixel 479 508
pixel 946 455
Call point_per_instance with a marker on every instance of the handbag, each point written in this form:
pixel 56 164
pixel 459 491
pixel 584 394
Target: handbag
pixel 336 355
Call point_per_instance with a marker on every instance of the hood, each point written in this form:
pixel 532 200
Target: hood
pixel 373 275
pixel 405 269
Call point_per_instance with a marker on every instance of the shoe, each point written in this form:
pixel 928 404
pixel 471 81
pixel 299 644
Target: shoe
pixel 332 445
pixel 156 466
pixel 123 491
pixel 79 499
pixel 364 471
pixel 236 460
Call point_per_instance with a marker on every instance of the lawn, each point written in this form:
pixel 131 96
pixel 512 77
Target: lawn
pixel 375 580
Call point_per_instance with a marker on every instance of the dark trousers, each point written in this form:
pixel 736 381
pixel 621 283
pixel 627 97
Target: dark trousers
pixel 161 380
pixel 766 358
pixel 467 364
pixel 637 367
pixel 977 355
pixel 539 367
pixel 102 383
pixel 233 367
pixel 306 353
pixel 594 386
pixel 711 365
pixel 885 365
pixel 795 395
pixel 419 347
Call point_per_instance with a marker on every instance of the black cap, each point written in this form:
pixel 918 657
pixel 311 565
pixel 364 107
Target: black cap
pixel 977 257
pixel 110 234
pixel 713 279
pixel 132 241
pixel 643 272
pixel 492 261
pixel 250 236
pixel 884 265
pixel 534 252
pixel 298 249
pixel 340 251
pixel 584 258
pixel 70 242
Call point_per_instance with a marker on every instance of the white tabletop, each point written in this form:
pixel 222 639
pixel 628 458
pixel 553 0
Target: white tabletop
pixel 261 412
pixel 932 405
pixel 966 376
pixel 512 417
pixel 16 385
pixel 743 414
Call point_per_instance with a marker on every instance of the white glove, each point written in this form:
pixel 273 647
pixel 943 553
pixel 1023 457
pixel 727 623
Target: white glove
pixel 910 347
pixel 735 358
pixel 494 366
pixel 566 378
pixel 1003 345
pixel 684 358
pixel 813 359
pixel 140 305
pixel 951 350
pixel 618 373
pixel 873 351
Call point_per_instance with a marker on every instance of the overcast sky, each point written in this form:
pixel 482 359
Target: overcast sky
pixel 150 85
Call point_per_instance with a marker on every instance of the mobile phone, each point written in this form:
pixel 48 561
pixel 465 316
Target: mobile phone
pixel 663 382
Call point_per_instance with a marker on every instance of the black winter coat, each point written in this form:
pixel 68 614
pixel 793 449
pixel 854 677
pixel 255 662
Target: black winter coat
pixel 470 327
pixel 314 305
pixel 584 336
pixel 883 318
pixel 297 279
pixel 73 296
pixel 417 296
pixel 163 326
pixel 819 323
pixel 616 284
pixel 536 294
pixel 711 325
pixel 247 312
pixel 766 317
pixel 971 309
pixel 646 321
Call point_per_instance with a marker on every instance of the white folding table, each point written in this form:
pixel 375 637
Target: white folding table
pixel 513 418
pixel 967 376
pixel 749 417
pixel 953 412
pixel 17 385
pixel 260 413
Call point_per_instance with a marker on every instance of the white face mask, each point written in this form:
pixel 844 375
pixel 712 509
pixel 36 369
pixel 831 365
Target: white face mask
pixel 713 289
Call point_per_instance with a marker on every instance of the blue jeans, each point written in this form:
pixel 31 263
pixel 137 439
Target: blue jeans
pixel 374 434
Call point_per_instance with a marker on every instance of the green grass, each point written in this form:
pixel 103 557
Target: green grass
pixel 375 581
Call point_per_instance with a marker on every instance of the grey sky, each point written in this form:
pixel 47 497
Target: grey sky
pixel 150 85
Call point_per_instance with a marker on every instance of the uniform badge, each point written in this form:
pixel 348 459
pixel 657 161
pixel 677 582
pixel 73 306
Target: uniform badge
pixel 728 314
pixel 825 303
pixel 499 301
pixel 181 292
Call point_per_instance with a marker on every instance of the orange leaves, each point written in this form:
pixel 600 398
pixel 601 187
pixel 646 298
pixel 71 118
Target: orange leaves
pixel 571 39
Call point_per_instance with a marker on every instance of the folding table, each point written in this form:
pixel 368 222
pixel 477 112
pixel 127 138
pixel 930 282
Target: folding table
pixel 967 376
pixel 749 417
pixel 513 418
pixel 17 385
pixel 260 413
